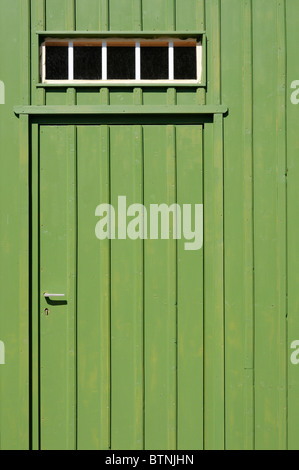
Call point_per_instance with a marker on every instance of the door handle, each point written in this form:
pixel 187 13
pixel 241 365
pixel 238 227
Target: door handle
pixel 47 296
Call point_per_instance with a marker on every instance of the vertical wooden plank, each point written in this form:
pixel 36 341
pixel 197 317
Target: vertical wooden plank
pixel 155 15
pixel 171 15
pixel 171 96
pixel 52 417
pixel 71 96
pixel 57 15
pixel 88 15
pixel 58 275
pixel 104 15
pixel 201 96
pixel 214 250
pixel 160 295
pixel 23 261
pixel 214 412
pixel 122 14
pixel 201 12
pixel 282 217
pixel 238 190
pixel 190 15
pixel 104 96
pixel 137 16
pixel 25 52
pixel 293 228
pixel 249 421
pixel 93 292
pixel 35 286
pixel 70 24
pixel 72 283
pixel 126 294
pixel 14 221
pixel 38 19
pixel 190 295
pixel 213 50
pixel 138 99
pixel 270 225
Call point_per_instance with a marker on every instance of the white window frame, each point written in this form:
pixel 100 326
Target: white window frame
pixel 138 45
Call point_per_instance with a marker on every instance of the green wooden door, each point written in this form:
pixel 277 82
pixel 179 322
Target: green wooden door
pixel 117 362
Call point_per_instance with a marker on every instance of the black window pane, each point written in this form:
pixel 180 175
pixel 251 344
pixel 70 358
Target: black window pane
pixel 88 63
pixel 121 63
pixel 154 63
pixel 56 63
pixel 185 63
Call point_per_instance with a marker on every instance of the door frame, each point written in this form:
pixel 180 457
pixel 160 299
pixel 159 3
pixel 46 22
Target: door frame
pixel 211 117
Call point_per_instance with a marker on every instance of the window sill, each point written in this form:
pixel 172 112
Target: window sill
pixel 122 84
pixel 122 110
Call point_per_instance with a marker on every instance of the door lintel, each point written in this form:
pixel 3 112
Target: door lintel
pixel 121 110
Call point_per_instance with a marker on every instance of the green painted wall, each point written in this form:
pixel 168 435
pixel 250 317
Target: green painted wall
pixel 14 378
pixel 251 260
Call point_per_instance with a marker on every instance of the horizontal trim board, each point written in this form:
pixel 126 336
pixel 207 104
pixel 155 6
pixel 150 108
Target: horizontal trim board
pixel 126 84
pixel 120 34
pixel 117 110
pixel 120 83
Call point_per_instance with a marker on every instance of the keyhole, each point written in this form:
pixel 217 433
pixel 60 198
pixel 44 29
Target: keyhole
pixel 46 311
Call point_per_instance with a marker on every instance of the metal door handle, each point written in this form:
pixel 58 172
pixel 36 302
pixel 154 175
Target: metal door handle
pixel 47 296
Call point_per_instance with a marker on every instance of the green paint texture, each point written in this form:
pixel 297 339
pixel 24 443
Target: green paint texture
pixel 156 347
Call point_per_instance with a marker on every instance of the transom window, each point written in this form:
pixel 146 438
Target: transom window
pixel 143 61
